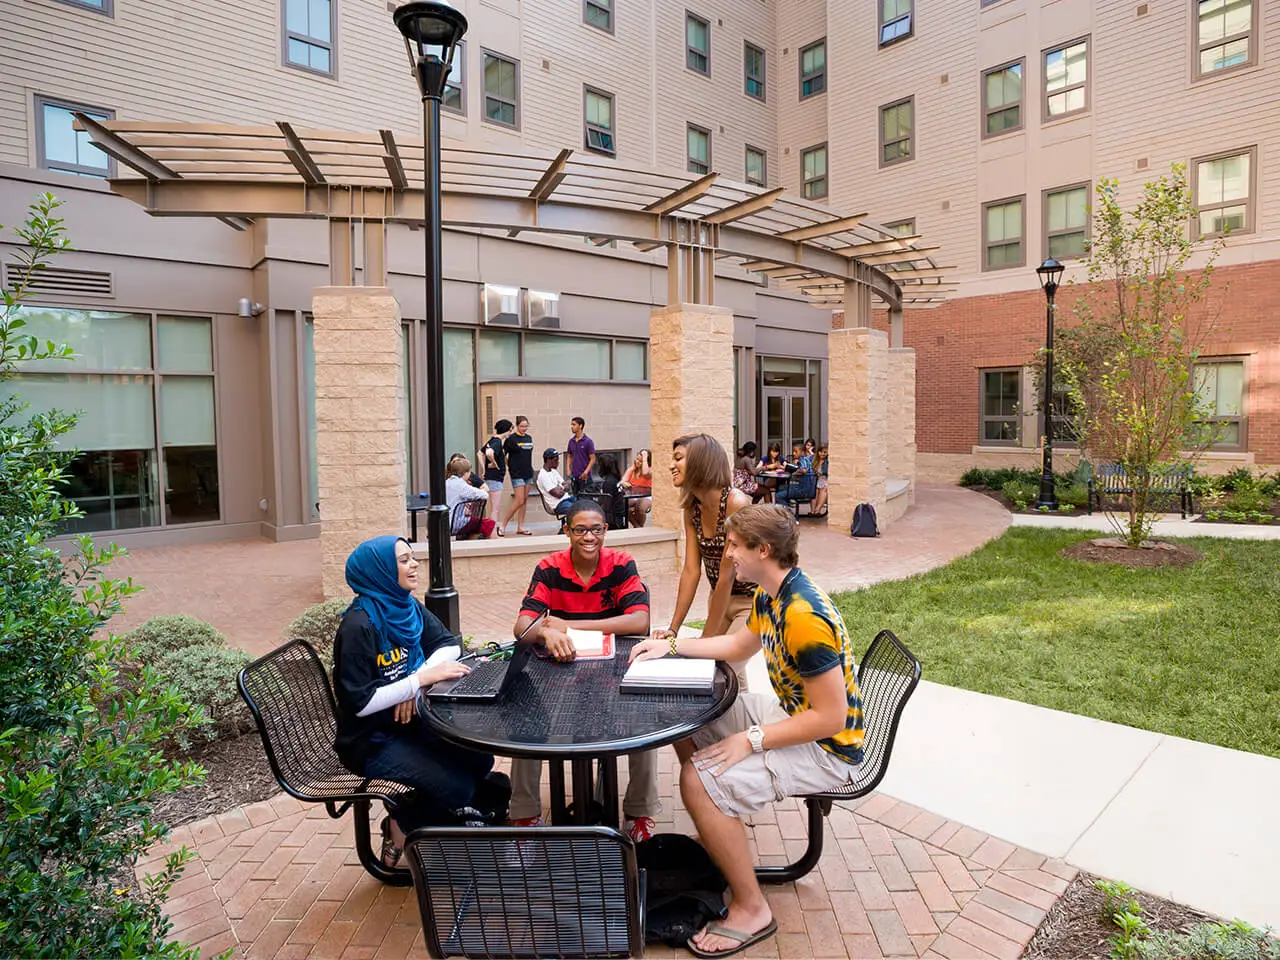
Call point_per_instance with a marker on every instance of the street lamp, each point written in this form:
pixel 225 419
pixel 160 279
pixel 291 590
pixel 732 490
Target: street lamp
pixel 1050 272
pixel 432 30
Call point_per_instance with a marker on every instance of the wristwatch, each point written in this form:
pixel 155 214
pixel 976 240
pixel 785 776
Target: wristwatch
pixel 755 736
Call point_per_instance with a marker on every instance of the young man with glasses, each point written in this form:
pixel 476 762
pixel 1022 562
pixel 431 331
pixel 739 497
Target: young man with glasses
pixel 589 587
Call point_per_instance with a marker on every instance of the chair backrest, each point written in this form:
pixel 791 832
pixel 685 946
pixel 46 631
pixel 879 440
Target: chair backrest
pixel 887 676
pixel 801 486
pixel 527 892
pixel 464 511
pixel 292 703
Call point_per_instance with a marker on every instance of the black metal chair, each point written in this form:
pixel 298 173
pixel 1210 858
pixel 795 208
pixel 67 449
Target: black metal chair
pixel 797 489
pixel 292 702
pixel 528 892
pixel 887 676
pixel 464 511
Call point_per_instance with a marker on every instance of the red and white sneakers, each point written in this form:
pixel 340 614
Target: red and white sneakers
pixel 641 828
pixel 527 822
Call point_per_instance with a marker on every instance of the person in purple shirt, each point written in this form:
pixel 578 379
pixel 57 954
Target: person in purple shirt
pixel 582 454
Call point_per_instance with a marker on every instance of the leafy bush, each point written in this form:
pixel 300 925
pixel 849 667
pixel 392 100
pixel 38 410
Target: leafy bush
pixel 1247 500
pixel 1241 478
pixel 1211 941
pixel 159 636
pixel 974 477
pixel 82 753
pixel 205 675
pixel 1020 490
pixel 318 625
pixel 1075 494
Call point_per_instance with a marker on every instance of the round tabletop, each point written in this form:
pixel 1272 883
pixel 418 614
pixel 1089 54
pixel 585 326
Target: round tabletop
pixel 562 710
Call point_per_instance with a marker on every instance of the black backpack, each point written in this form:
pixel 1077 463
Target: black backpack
pixel 864 521
pixel 684 890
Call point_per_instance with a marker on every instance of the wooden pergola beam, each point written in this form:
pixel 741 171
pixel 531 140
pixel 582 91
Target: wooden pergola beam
pixel 552 177
pixel 893 256
pixel 827 229
pixel 928 273
pixel 394 165
pixel 684 196
pixel 879 246
pixel 300 157
pixel 744 208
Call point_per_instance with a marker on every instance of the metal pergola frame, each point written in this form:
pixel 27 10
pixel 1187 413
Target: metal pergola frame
pixel 243 173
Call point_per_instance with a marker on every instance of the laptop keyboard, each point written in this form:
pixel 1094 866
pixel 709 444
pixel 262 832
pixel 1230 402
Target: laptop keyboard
pixel 484 676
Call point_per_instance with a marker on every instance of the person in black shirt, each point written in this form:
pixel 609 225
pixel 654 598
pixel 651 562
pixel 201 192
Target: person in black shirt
pixel 379 667
pixel 493 463
pixel 519 451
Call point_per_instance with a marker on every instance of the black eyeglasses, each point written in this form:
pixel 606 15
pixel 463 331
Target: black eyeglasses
pixel 596 531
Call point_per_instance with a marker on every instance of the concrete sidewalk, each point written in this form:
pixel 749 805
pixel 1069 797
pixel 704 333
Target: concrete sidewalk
pixel 1169 525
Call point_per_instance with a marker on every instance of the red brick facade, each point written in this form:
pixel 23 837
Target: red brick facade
pixel 953 342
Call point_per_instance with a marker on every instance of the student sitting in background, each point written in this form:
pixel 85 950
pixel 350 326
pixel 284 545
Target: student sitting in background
pixel 551 485
pixel 457 488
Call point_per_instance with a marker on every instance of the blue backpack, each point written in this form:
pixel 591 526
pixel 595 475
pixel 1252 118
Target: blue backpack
pixel 864 521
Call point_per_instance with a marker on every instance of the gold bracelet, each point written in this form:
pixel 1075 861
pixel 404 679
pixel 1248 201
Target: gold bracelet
pixel 674 651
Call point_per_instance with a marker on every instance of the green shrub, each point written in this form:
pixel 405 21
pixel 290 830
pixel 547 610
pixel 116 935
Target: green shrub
pixel 974 477
pixel 1016 490
pixel 1073 494
pixel 1241 478
pixel 318 625
pixel 159 636
pixel 1248 500
pixel 1204 485
pixel 205 675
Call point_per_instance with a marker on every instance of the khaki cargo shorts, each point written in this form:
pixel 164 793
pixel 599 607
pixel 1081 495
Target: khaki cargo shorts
pixel 764 778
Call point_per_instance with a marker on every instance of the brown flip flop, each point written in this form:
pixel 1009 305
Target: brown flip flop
pixel 744 940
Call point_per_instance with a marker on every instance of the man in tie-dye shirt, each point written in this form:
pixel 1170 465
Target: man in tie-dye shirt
pixel 808 740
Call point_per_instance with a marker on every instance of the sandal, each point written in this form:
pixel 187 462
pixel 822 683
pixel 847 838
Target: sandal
pixel 743 940
pixel 391 854
pixel 501 532
pixel 525 533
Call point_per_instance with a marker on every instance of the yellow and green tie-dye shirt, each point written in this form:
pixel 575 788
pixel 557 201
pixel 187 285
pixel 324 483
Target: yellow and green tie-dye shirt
pixel 803 636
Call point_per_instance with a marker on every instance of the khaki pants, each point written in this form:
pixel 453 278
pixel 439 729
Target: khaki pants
pixel 641 799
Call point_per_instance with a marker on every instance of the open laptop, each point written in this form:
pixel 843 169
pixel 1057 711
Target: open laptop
pixel 489 680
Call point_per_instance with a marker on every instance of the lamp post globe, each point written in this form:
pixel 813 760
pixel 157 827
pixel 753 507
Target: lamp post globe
pixel 432 30
pixel 1050 274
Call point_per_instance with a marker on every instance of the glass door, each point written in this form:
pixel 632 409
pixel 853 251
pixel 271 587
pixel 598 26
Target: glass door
pixel 786 417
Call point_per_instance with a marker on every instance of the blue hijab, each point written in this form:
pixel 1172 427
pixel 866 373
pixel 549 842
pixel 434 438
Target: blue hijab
pixel 373 575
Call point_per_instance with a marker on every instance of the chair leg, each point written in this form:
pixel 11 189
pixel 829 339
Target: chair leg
pixel 371 861
pixel 818 808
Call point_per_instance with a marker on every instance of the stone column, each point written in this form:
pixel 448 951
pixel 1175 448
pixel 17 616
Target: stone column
pixel 691 389
pixel 857 412
pixel 902 416
pixel 359 422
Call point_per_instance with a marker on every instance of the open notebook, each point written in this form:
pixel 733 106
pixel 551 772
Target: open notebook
pixel 678 674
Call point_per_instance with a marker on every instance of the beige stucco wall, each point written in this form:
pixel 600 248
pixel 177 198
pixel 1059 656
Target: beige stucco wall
pixel 858 410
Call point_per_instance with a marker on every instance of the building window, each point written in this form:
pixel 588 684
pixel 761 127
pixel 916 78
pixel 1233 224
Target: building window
pixel 897 126
pixel 1003 225
pixel 1219 387
pixel 145 440
pixel 813 69
pixel 1224 35
pixel 1223 193
pixel 757 166
pixel 1002 99
pixel 308 35
pixel 1066 222
pixel 454 98
pixel 998 417
pixel 697 39
pixel 813 172
pixel 901 228
pixel 501 90
pixel 699 149
pixel 1066 79
pixel 60 146
pixel 598 13
pixel 895 20
pixel 597 114
pixel 753 71
pixel 97 6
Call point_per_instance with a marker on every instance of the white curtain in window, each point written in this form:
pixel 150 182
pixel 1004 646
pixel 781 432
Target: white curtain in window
pixel 185 344
pixel 101 340
pixel 117 411
pixel 186 411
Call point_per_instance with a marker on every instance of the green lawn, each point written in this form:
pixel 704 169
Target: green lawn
pixel 1193 652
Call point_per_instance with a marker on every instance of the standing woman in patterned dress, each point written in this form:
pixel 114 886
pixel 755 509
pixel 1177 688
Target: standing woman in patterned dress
pixel 700 470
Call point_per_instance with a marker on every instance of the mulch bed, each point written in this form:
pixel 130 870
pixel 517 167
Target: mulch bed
pixel 236 773
pixel 1076 930
pixel 1113 550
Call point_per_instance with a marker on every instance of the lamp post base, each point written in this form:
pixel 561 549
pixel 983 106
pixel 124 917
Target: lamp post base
pixel 443 605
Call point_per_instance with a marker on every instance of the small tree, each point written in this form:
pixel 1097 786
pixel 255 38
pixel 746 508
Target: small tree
pixel 80 754
pixel 1128 364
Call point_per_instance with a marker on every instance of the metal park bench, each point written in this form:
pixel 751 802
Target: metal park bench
pixel 1112 479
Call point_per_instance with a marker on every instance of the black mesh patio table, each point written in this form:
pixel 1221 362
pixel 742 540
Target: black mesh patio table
pixel 575 711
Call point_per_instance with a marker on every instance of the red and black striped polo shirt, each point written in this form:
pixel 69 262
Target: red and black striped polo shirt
pixel 614 591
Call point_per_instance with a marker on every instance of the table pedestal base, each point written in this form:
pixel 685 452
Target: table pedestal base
pixel 596 794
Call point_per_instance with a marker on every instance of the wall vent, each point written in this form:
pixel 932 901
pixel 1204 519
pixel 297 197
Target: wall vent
pixel 61 281
pixel 546 65
pixel 944 79
pixel 946 204
pixel 488 412
pixel 1142 9
pixel 1140 164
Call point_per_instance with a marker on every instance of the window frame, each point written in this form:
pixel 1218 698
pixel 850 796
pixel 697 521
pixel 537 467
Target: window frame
pixel 485 53
pixel 764 165
pixel 986 241
pixel 986 108
pixel 910 138
pixel 881 42
pixel 587 91
pixel 1242 420
pixel 1045 116
pixel 331 45
pixel 107 8
pixel 826 176
pixel 984 417
pixel 747 78
pixel 891 225
pixel 606 5
pixel 1197 49
pixel 1250 203
pixel 40 101
pixel 690 49
pixel 459 58
pixel 688 157
pixel 800 69
pixel 1046 234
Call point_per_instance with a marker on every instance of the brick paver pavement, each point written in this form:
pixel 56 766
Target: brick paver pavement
pixel 250 590
pixel 280 879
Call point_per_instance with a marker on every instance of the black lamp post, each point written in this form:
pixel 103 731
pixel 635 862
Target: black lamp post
pixel 431 31
pixel 1050 272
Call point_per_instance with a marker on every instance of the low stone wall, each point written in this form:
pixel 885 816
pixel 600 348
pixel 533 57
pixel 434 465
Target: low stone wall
pixel 503 566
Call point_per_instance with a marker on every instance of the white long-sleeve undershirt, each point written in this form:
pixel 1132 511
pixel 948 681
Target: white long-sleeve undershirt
pixel 388 696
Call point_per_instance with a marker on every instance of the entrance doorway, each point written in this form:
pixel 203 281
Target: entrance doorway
pixel 786 417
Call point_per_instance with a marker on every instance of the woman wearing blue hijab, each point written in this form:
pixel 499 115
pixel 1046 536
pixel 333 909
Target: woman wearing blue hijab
pixel 379 665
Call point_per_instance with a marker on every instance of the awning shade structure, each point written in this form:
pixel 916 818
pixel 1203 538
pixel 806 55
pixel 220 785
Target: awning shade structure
pixel 241 173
